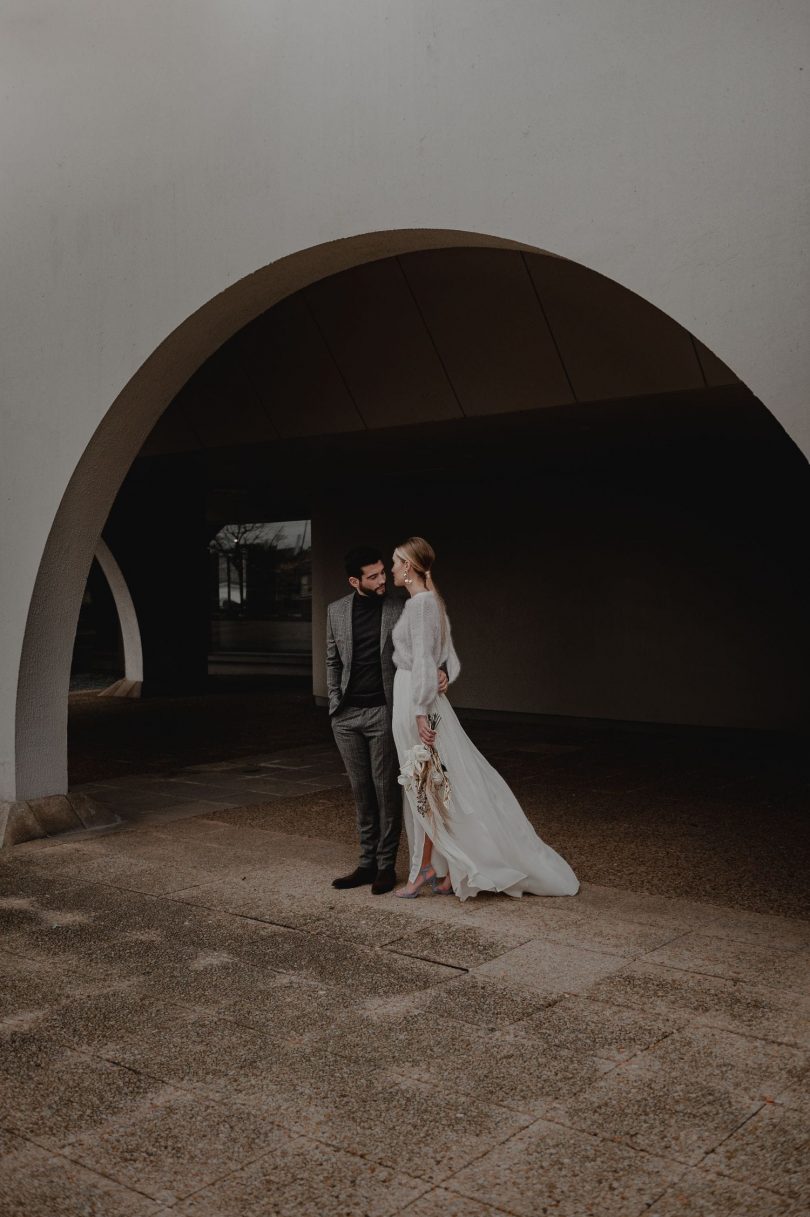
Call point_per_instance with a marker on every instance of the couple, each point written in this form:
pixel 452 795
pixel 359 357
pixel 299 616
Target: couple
pixel 389 662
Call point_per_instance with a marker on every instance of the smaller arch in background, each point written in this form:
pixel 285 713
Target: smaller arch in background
pixel 132 681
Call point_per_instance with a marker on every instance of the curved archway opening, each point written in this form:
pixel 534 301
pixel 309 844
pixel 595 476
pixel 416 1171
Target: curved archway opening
pixel 522 411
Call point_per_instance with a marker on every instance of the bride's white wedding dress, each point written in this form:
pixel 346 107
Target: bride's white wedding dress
pixel 487 844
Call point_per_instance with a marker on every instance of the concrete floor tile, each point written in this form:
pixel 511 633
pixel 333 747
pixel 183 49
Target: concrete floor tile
pixel 288 1007
pixel 718 1002
pixel 403 1124
pixel 366 924
pixel 208 981
pixel 302 1178
pixel 256 895
pixel 204 830
pixel 313 814
pixel 476 1000
pixel 98 950
pixel 606 933
pixel 439 1202
pixel 772 1150
pixel 138 808
pixel 20 880
pixel 99 899
pixel 458 946
pixel 679 1119
pixel 614 1033
pixel 196 1049
pixel 132 872
pixel 175 1143
pixel 380 1038
pixel 94 1019
pixel 549 968
pixel 29 988
pixel 567 1173
pixel 761 929
pixel 174 812
pixel 516 1072
pixel 786 970
pixel 365 971
pixel 292 1077
pixel 758 1069
pixel 645 908
pixel 699 1193
pixel 35 1183
pixel 50 1093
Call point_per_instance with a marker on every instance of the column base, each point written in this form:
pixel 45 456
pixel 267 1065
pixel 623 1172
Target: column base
pixel 29 820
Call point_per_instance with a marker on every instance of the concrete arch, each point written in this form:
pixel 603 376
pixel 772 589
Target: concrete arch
pixel 41 722
pixel 41 705
pixel 130 686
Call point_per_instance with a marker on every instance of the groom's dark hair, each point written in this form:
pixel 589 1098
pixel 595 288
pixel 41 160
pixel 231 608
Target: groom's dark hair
pixel 360 556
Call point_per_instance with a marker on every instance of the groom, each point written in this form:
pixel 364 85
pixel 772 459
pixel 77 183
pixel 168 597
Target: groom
pixel 360 683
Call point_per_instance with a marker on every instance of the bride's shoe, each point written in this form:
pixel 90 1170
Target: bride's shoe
pixel 426 875
pixel 440 890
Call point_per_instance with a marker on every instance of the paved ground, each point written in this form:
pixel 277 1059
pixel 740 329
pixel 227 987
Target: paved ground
pixel 194 1022
pixel 705 815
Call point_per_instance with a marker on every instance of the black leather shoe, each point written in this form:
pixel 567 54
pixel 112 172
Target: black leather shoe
pixel 384 881
pixel 363 874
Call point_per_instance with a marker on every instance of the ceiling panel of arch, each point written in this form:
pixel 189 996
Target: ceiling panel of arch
pixel 431 337
pixel 489 327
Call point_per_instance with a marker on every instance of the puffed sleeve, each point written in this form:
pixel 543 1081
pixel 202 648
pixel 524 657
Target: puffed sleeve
pixel 425 639
pixel 452 664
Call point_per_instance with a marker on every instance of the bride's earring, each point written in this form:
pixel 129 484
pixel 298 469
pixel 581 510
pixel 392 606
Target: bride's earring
pixel 405 578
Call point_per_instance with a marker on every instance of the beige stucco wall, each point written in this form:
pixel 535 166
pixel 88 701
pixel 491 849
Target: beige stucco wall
pixel 156 154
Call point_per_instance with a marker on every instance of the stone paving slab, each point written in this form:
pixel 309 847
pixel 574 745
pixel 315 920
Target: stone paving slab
pixel 191 1017
pixel 785 968
pixel 471 999
pixel 699 1193
pixel 400 1123
pixel 566 1172
pixel 174 1143
pixel 611 1033
pixel 303 1176
pixel 770 1150
pixel 37 1183
pixel 457 946
pixel 551 969
pixel 449 1204
pixel 684 1096
pixel 49 1092
pixel 736 1006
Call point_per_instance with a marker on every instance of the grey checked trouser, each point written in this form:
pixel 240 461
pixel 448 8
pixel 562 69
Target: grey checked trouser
pixel 364 739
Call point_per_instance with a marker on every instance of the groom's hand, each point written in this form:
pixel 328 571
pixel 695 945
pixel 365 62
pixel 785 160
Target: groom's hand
pixel 443 681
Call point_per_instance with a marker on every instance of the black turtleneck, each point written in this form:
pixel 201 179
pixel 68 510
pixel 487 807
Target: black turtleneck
pixel 366 682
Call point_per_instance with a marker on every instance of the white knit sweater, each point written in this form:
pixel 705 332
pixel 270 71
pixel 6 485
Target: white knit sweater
pixel 418 649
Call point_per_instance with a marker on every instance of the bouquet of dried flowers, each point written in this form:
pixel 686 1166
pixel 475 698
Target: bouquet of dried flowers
pixel 423 772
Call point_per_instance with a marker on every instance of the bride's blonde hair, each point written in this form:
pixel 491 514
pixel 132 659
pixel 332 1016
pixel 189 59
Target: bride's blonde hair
pixel 421 555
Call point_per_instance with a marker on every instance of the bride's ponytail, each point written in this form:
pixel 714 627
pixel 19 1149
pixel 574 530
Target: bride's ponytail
pixel 421 556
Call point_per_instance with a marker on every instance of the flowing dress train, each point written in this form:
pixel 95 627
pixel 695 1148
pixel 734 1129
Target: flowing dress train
pixel 486 843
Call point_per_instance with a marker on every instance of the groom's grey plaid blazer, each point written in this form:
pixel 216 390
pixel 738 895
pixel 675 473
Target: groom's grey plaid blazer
pixel 339 648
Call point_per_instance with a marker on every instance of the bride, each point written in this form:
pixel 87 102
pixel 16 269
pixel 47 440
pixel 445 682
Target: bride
pixel 485 842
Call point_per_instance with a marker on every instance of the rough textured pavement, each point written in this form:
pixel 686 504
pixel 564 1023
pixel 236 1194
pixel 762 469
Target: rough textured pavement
pixel 194 1022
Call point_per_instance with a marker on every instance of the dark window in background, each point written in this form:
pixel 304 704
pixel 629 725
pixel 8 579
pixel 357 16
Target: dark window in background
pixel 261 598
